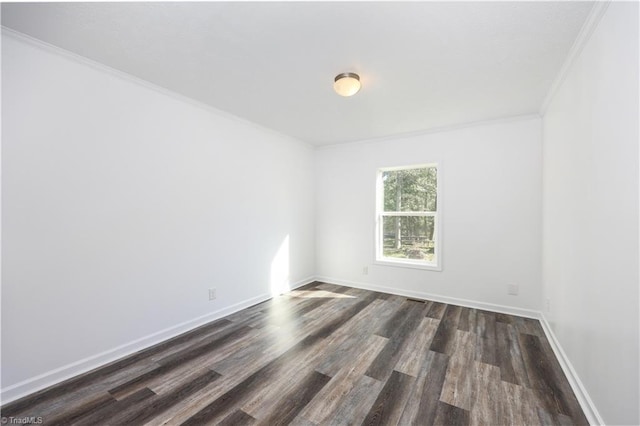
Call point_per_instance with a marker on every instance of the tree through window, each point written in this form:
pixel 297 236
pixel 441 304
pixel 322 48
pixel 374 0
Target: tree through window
pixel 407 216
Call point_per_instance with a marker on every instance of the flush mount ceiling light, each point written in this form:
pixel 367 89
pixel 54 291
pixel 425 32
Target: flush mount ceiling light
pixel 346 84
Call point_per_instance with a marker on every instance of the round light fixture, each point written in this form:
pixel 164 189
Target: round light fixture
pixel 346 84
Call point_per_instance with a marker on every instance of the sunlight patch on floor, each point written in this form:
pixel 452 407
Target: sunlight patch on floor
pixel 320 293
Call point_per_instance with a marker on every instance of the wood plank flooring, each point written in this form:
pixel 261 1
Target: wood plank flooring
pixel 327 355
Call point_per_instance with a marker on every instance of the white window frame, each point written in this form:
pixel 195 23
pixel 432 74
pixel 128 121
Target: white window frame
pixel 436 264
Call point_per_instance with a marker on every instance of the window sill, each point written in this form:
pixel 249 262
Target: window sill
pixel 408 264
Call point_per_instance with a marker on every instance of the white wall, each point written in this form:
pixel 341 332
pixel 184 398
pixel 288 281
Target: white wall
pixel 590 215
pixel 121 207
pixel 123 204
pixel 491 195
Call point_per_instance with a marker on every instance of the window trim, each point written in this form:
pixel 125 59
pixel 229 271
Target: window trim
pixel 379 259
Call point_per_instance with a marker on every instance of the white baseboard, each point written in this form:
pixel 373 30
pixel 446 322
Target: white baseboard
pixel 300 283
pixel 527 313
pixel 589 408
pixel 34 384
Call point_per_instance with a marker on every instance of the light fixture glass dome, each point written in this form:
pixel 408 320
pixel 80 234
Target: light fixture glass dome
pixel 346 84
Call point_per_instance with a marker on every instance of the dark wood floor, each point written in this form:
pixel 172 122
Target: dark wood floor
pixel 326 354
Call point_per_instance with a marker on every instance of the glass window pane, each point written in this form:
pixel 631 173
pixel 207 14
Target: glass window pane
pixel 408 237
pixel 410 189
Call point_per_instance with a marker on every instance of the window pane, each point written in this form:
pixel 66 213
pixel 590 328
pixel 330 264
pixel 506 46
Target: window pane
pixel 408 237
pixel 410 189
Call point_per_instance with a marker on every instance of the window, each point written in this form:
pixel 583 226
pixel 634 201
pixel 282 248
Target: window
pixel 407 217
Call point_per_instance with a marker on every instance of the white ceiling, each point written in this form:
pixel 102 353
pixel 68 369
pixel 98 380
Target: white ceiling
pixel 423 65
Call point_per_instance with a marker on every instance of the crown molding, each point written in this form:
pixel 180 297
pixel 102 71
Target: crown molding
pixel 434 130
pixel 99 66
pixel 587 30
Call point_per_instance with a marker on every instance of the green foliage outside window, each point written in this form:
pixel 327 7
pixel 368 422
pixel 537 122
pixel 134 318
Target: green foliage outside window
pixel 409 190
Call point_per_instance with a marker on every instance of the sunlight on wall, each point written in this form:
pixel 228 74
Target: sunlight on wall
pixel 280 269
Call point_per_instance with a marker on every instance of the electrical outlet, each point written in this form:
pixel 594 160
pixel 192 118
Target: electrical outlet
pixel 512 289
pixel 212 294
pixel 365 270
